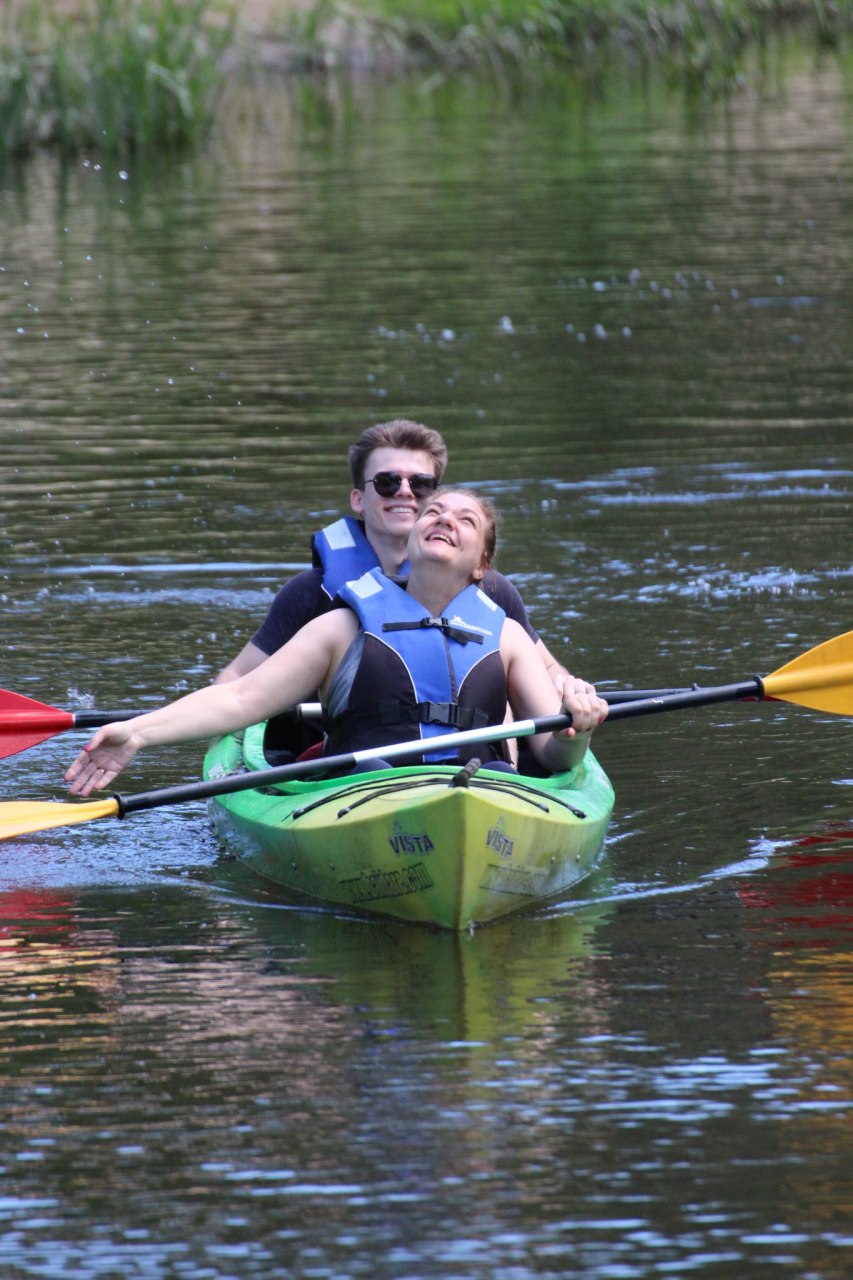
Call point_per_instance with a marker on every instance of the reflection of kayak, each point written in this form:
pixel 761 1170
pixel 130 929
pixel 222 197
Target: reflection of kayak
pixel 528 975
pixel 432 844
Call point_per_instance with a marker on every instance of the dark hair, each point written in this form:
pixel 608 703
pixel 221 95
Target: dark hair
pixel 399 434
pixel 490 531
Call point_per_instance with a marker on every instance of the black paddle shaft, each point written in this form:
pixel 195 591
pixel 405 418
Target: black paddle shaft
pixel 258 779
pixel 94 719
pixel 740 692
pixel 254 781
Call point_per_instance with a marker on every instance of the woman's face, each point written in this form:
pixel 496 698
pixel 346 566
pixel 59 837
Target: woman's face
pixel 451 530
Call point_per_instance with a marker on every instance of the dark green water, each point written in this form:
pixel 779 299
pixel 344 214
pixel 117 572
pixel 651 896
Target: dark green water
pixel 630 316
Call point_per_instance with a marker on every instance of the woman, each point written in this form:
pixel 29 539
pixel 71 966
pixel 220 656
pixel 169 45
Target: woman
pixel 382 664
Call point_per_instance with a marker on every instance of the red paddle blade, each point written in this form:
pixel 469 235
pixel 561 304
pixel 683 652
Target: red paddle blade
pixel 24 722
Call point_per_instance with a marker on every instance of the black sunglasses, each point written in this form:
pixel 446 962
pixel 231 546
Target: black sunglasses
pixel 387 483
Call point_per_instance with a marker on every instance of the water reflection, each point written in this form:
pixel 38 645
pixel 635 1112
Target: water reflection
pixel 380 1040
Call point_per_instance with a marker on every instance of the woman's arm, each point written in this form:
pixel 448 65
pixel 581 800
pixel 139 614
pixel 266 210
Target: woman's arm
pixel 532 694
pixel 302 666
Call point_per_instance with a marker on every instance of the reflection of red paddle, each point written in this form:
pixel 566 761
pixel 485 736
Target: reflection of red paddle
pixel 827 838
pixel 816 887
pixel 36 913
pixel 816 894
pixel 47 906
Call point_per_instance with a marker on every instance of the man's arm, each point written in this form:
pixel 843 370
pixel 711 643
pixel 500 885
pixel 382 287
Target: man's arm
pixel 249 657
pixel 563 681
pixel 532 694
pixel 509 598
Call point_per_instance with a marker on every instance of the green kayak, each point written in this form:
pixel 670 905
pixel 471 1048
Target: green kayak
pixel 434 844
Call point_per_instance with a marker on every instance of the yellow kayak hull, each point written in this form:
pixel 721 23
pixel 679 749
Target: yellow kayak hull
pixel 425 844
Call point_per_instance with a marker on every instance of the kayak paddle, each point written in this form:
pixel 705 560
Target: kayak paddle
pixel 821 679
pixel 24 723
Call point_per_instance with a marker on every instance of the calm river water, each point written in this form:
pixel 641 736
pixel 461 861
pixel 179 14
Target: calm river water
pixel 630 314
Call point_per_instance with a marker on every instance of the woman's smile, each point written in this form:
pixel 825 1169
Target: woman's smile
pixel 456 521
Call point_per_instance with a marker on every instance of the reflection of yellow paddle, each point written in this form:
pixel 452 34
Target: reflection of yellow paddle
pixel 821 679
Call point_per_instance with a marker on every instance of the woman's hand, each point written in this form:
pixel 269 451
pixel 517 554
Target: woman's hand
pixel 101 760
pixel 582 703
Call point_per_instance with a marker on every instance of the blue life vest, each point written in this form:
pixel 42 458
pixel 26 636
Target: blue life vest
pixel 420 676
pixel 343 552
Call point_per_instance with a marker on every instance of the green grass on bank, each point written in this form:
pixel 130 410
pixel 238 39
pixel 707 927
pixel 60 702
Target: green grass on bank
pixel 118 76
pixel 704 40
pixel 124 76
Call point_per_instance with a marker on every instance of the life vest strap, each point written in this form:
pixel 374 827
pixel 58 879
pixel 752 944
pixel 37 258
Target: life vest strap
pixel 460 634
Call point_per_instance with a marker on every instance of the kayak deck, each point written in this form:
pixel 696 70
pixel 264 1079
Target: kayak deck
pixel 427 844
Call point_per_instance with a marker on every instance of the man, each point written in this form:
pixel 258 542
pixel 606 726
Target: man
pixel 395 468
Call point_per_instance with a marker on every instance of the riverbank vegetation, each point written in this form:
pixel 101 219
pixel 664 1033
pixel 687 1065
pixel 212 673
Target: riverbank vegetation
pixel 119 76
pixel 703 40
pixel 125 76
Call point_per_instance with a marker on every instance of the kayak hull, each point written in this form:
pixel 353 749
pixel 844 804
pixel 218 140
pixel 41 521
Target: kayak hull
pixel 425 844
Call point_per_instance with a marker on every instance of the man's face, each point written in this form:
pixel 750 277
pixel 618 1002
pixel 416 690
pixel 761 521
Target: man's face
pixel 392 516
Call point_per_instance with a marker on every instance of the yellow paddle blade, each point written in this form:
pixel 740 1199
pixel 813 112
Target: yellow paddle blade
pixel 18 817
pixel 821 679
